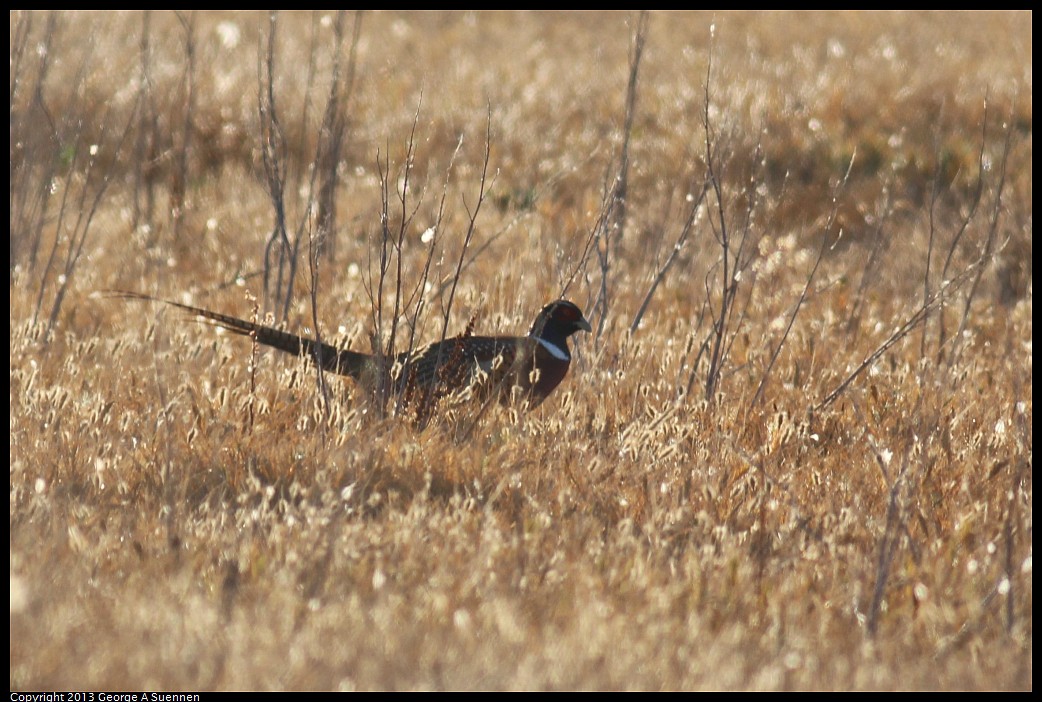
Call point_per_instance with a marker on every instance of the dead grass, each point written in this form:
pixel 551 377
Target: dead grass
pixel 184 518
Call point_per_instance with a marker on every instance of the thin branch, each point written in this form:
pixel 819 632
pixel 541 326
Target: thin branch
pixel 758 395
pixel 483 188
pixel 989 244
pixel 273 158
pixel 978 191
pixel 918 317
pixel 685 231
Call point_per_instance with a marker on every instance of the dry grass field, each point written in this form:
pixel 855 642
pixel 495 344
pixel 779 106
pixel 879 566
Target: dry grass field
pixel 794 453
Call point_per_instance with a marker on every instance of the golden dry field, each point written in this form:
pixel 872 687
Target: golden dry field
pixel 794 453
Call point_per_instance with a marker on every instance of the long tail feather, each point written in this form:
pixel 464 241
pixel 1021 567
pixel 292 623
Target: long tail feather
pixel 339 361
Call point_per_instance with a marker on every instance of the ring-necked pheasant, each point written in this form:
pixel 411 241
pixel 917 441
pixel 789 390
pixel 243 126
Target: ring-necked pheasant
pixel 536 363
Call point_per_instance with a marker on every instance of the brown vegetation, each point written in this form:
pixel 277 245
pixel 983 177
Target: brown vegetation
pixel 795 453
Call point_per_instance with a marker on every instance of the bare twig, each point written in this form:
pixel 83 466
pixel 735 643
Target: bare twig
pixel 80 230
pixel 278 250
pixel 685 232
pixel 147 142
pixel 733 260
pixel 418 300
pixel 31 173
pixel 758 395
pixel 921 314
pixel 313 263
pixel 70 237
pixel 610 227
pixel 179 181
pixel 391 252
pixel 622 183
pixel 282 252
pixel 332 134
pixel 472 214
pixel 888 545
pixel 869 270
pixel 989 246
pixel 935 191
pixel 978 191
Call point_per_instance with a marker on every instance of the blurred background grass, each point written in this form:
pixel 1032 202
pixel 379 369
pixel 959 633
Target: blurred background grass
pixel 184 518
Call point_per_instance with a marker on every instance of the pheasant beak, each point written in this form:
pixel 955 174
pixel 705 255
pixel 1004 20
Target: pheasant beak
pixel 584 325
